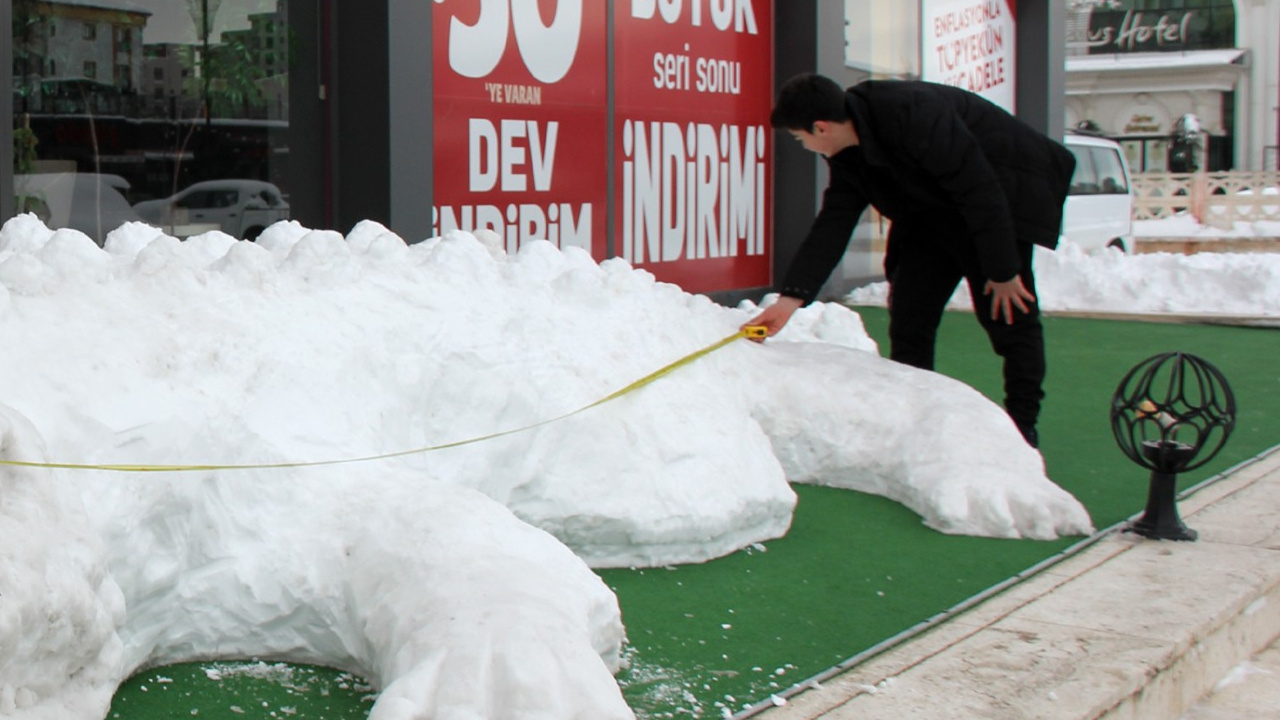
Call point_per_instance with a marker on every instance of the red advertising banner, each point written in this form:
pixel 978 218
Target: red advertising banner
pixel 520 120
pixel 693 87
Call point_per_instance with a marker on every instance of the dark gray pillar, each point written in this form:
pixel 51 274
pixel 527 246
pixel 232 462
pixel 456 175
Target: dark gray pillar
pixel 411 128
pixel 362 166
pixel 1041 78
pixel 308 162
pixel 795 194
pixel 6 114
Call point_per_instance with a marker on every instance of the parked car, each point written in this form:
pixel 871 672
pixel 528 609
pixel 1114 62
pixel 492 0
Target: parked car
pixel 1099 207
pixel 93 203
pixel 240 208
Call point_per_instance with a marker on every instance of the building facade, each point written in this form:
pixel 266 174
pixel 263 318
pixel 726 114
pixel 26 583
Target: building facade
pixel 628 128
pixel 1141 71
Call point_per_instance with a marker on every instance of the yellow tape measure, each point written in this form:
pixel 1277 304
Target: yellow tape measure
pixel 749 331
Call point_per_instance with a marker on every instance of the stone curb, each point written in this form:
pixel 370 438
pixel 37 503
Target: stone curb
pixel 1125 629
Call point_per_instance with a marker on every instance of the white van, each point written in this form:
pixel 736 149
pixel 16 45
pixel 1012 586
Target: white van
pixel 1099 208
pixel 89 202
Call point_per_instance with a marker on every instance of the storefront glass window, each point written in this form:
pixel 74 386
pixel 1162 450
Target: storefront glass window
pixel 882 38
pixel 171 112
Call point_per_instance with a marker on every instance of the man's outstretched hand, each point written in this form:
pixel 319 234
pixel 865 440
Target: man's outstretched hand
pixel 1007 295
pixel 776 315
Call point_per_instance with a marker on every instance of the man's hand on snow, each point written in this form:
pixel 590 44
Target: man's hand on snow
pixel 1007 295
pixel 776 315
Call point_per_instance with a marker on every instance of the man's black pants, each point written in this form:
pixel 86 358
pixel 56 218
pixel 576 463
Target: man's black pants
pixel 924 269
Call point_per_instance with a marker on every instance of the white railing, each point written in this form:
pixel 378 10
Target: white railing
pixel 1215 199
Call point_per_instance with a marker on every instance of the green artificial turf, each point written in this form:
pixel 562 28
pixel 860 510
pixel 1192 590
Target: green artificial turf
pixel 243 691
pixel 854 570
pixel 858 569
pixel 1087 358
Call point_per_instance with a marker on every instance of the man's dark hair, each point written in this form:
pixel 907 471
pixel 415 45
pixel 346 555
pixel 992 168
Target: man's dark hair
pixel 806 99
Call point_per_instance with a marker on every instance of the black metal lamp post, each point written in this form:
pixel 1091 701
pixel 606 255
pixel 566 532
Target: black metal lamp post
pixel 1171 413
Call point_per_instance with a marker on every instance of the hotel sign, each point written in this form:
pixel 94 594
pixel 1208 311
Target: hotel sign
pixel 1140 32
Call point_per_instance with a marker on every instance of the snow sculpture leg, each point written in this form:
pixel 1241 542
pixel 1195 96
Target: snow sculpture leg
pixel 439 595
pixel 917 437
pixel 510 624
pixel 59 608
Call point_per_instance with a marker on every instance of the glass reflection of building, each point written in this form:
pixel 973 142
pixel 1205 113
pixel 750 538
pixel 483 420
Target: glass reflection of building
pixel 72 58
pixel 152 95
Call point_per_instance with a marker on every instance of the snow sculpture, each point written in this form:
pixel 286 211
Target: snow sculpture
pixel 59 604
pixel 437 594
pixel 423 570
pixel 931 443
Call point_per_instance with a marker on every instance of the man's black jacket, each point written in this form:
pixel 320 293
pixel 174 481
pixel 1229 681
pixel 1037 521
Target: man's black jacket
pixel 940 160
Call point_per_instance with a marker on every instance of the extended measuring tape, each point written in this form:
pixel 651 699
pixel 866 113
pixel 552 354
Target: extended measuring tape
pixel 748 331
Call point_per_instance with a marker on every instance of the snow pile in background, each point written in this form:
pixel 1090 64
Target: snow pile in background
pixel 442 576
pixel 1070 279
pixel 1183 225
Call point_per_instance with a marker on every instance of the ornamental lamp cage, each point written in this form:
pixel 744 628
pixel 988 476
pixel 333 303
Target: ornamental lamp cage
pixel 1171 413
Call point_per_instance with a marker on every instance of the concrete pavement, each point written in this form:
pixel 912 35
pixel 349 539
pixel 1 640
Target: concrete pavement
pixel 1251 691
pixel 1124 629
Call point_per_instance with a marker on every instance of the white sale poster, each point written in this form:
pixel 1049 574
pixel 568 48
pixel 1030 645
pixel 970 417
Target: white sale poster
pixel 970 44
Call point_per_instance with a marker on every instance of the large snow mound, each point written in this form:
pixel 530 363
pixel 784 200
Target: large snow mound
pixel 443 576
